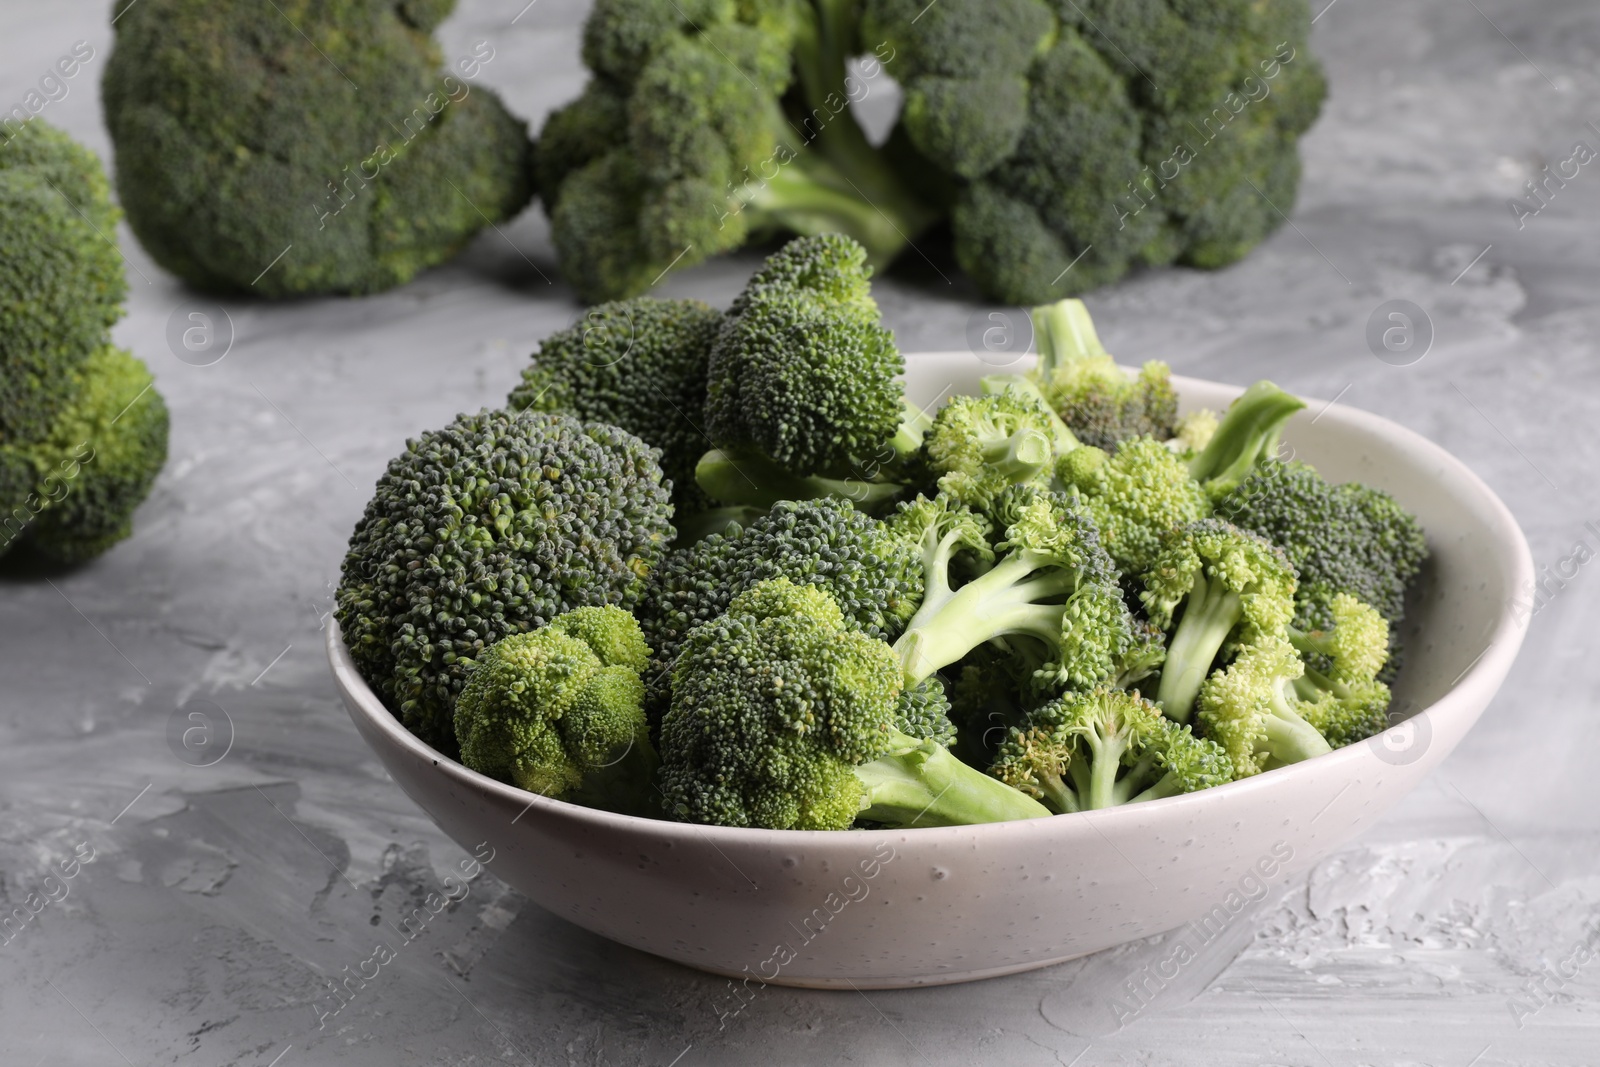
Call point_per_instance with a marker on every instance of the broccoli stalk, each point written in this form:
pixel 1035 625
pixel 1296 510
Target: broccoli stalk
pixel 1052 589
pixel 919 783
pixel 755 482
pixel 1249 432
pixel 1099 402
pixel 1230 584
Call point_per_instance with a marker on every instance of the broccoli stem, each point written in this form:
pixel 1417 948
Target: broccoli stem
pixel 915 422
pixel 999 602
pixel 919 783
pixel 1103 768
pixel 1290 738
pixel 699 525
pixel 755 482
pixel 808 196
pixel 1249 432
pixel 836 150
pixel 1210 612
pixel 1063 332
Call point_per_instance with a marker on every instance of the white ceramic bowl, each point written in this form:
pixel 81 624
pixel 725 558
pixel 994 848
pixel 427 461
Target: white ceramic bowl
pixel 883 909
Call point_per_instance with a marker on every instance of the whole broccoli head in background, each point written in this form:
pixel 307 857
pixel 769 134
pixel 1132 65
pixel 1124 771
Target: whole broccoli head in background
pixel 328 133
pixel 1082 138
pixel 82 433
pixel 492 526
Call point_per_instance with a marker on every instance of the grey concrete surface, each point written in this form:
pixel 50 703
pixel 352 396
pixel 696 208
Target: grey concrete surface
pixel 220 899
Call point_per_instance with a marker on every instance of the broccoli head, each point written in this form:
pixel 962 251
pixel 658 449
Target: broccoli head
pixel 99 460
pixel 639 365
pixel 1096 398
pixel 1082 139
pixel 559 711
pixel 82 432
pixel 1105 747
pixel 1234 588
pixel 245 132
pixel 804 372
pixel 492 526
pixel 708 123
pixel 783 717
pixel 873 577
pixel 61 278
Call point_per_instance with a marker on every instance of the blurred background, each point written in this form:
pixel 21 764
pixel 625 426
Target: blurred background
pixel 224 887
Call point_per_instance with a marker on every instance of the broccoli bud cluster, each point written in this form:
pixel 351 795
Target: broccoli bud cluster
pixel 82 432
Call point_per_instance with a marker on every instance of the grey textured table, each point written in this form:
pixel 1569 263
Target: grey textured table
pixel 219 899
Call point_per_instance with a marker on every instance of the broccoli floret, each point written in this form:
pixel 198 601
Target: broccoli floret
pixel 1192 433
pixel 783 717
pixel 1084 139
pixel 1136 495
pixel 1341 539
pixel 979 446
pixel 639 365
pixel 61 278
pixel 1249 433
pixel 1232 586
pixel 559 711
pixel 873 576
pixel 303 148
pixel 1098 749
pixel 1345 702
pixel 923 712
pixel 707 124
pixel 804 373
pixel 82 432
pixel 1096 398
pixel 1251 710
pixel 1023 387
pixel 492 526
pixel 1051 593
pixel 102 456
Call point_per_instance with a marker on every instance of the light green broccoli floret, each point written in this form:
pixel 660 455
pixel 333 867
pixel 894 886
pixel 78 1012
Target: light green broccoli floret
pixel 1251 710
pixel 560 712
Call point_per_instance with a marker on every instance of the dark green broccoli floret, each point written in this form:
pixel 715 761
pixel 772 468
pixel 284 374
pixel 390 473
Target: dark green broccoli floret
pixel 82 432
pixel 706 124
pixel 1136 495
pixel 492 526
pixel 1096 398
pixel 783 717
pixel 804 372
pixel 1051 591
pixel 923 712
pixel 872 575
pixel 1085 138
pixel 1233 586
pixel 61 277
pixel 1341 539
pixel 1251 709
pixel 1098 749
pixel 637 364
pixel 325 141
pixel 559 711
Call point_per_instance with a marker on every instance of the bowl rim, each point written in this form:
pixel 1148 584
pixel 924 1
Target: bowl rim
pixel 1505 641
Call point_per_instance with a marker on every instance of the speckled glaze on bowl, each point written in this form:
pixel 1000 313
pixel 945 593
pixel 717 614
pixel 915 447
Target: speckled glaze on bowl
pixel 884 909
